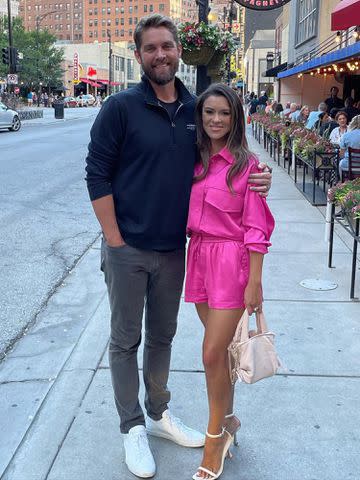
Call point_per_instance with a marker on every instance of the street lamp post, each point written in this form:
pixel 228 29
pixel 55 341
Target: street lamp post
pixel 110 61
pixel 202 79
pixel 228 62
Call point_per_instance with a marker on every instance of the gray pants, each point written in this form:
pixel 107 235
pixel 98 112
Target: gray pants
pixel 137 278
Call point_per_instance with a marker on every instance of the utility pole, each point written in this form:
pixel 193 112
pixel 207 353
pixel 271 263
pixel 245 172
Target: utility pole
pixel 110 62
pixel 231 11
pixel 202 79
pixel 11 56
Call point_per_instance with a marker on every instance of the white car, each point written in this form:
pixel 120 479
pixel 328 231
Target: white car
pixel 85 100
pixel 9 118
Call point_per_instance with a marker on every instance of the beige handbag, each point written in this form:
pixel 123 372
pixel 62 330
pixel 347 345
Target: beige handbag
pixel 252 355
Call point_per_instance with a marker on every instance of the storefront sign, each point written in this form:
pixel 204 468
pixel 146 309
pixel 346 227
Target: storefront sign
pixel 262 4
pixel 76 67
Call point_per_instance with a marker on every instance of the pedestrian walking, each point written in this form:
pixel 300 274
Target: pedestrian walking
pixel 229 227
pixel 30 99
pixel 139 180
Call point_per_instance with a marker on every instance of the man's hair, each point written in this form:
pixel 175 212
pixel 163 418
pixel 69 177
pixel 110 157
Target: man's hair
pixel 334 88
pixel 154 21
pixel 322 107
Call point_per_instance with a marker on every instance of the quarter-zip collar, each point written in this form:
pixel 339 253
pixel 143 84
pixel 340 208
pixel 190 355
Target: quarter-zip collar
pixel 184 95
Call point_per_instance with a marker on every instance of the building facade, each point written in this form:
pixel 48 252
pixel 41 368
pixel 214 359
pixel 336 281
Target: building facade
pixel 256 63
pixel 306 37
pixel 84 21
pixel 14 5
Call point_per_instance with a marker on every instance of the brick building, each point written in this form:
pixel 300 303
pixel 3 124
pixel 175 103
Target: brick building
pixel 86 21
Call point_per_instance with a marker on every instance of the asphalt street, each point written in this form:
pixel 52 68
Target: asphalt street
pixel 46 218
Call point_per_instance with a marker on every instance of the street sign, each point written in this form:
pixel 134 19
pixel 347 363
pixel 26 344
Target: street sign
pixel 76 67
pixel 262 4
pixel 12 79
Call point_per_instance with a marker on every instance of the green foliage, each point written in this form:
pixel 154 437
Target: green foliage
pixel 42 60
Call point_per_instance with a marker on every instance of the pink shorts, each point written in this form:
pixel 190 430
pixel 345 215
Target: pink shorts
pixel 217 272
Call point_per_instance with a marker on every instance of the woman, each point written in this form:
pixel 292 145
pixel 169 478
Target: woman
pixel 303 114
pixel 268 106
pixel 350 139
pixel 230 228
pixel 336 134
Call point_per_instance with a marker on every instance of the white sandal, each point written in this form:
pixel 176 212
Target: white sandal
pixel 226 452
pixel 231 415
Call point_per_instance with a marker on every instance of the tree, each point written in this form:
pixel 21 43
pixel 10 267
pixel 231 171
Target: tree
pixel 42 61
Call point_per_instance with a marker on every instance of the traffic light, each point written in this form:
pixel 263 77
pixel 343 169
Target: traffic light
pixel 5 55
pixel 15 62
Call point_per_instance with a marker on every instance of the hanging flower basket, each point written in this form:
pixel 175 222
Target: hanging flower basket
pixel 198 57
pixel 215 64
pixel 200 41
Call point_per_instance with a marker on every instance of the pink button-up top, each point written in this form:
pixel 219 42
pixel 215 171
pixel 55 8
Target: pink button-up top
pixel 243 216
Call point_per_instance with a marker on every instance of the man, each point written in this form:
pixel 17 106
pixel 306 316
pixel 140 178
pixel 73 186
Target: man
pixel 314 116
pixel 263 99
pixel 349 109
pixel 334 101
pixel 139 174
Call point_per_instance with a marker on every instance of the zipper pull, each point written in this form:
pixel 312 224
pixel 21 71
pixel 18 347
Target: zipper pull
pixel 173 124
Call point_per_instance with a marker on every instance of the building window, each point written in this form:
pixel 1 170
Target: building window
pixel 103 34
pixel 151 8
pixel 161 7
pixel 130 9
pixel 109 11
pixel 122 20
pixel 130 21
pixel 307 11
pixel 103 22
pixel 145 8
pixel 95 22
pixel 130 69
pixel 109 22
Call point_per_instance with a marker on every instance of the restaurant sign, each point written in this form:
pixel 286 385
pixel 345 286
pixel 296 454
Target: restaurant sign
pixel 262 4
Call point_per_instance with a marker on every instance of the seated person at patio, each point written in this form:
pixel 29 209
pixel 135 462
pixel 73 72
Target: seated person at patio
pixel 295 115
pixel 314 116
pixel 338 132
pixel 274 104
pixel 350 139
pixel 322 125
pixel 302 115
pixel 268 106
pixel 278 109
pixel 293 108
pixel 286 110
pixel 334 101
pixel 350 110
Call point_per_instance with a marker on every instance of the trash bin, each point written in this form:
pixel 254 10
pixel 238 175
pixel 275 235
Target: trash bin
pixel 59 110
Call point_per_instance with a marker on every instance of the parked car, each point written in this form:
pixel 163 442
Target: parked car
pixel 70 102
pixel 9 118
pixel 85 100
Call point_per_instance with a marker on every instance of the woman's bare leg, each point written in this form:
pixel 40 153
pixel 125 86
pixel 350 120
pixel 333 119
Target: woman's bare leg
pixel 231 424
pixel 219 331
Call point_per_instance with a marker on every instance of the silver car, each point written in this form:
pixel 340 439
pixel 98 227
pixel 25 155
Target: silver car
pixel 9 118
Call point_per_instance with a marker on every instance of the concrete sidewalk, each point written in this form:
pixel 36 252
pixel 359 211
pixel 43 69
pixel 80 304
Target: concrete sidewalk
pixel 70 114
pixel 57 415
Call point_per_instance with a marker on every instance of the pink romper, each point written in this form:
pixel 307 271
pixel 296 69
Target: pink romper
pixel 223 228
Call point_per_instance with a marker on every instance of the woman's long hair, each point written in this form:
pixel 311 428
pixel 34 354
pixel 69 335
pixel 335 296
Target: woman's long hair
pixel 236 140
pixel 355 123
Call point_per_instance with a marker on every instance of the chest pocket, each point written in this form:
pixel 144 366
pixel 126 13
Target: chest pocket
pixel 224 200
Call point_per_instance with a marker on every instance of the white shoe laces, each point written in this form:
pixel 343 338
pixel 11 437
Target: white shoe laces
pixel 176 422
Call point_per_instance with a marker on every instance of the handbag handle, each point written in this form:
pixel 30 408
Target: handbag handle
pixel 242 329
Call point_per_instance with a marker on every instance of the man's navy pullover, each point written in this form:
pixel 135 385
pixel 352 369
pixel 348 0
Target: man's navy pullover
pixel 146 161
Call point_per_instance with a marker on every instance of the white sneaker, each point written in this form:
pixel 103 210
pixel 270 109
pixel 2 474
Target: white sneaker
pixel 138 456
pixel 172 428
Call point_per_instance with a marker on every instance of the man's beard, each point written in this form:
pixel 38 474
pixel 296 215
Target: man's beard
pixel 161 78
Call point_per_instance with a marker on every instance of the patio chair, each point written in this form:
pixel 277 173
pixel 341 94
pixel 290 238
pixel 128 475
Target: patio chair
pixel 354 164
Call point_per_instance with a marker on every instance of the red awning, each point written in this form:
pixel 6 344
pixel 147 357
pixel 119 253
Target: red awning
pixel 345 15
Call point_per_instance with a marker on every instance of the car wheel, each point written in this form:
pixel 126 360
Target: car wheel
pixel 16 124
